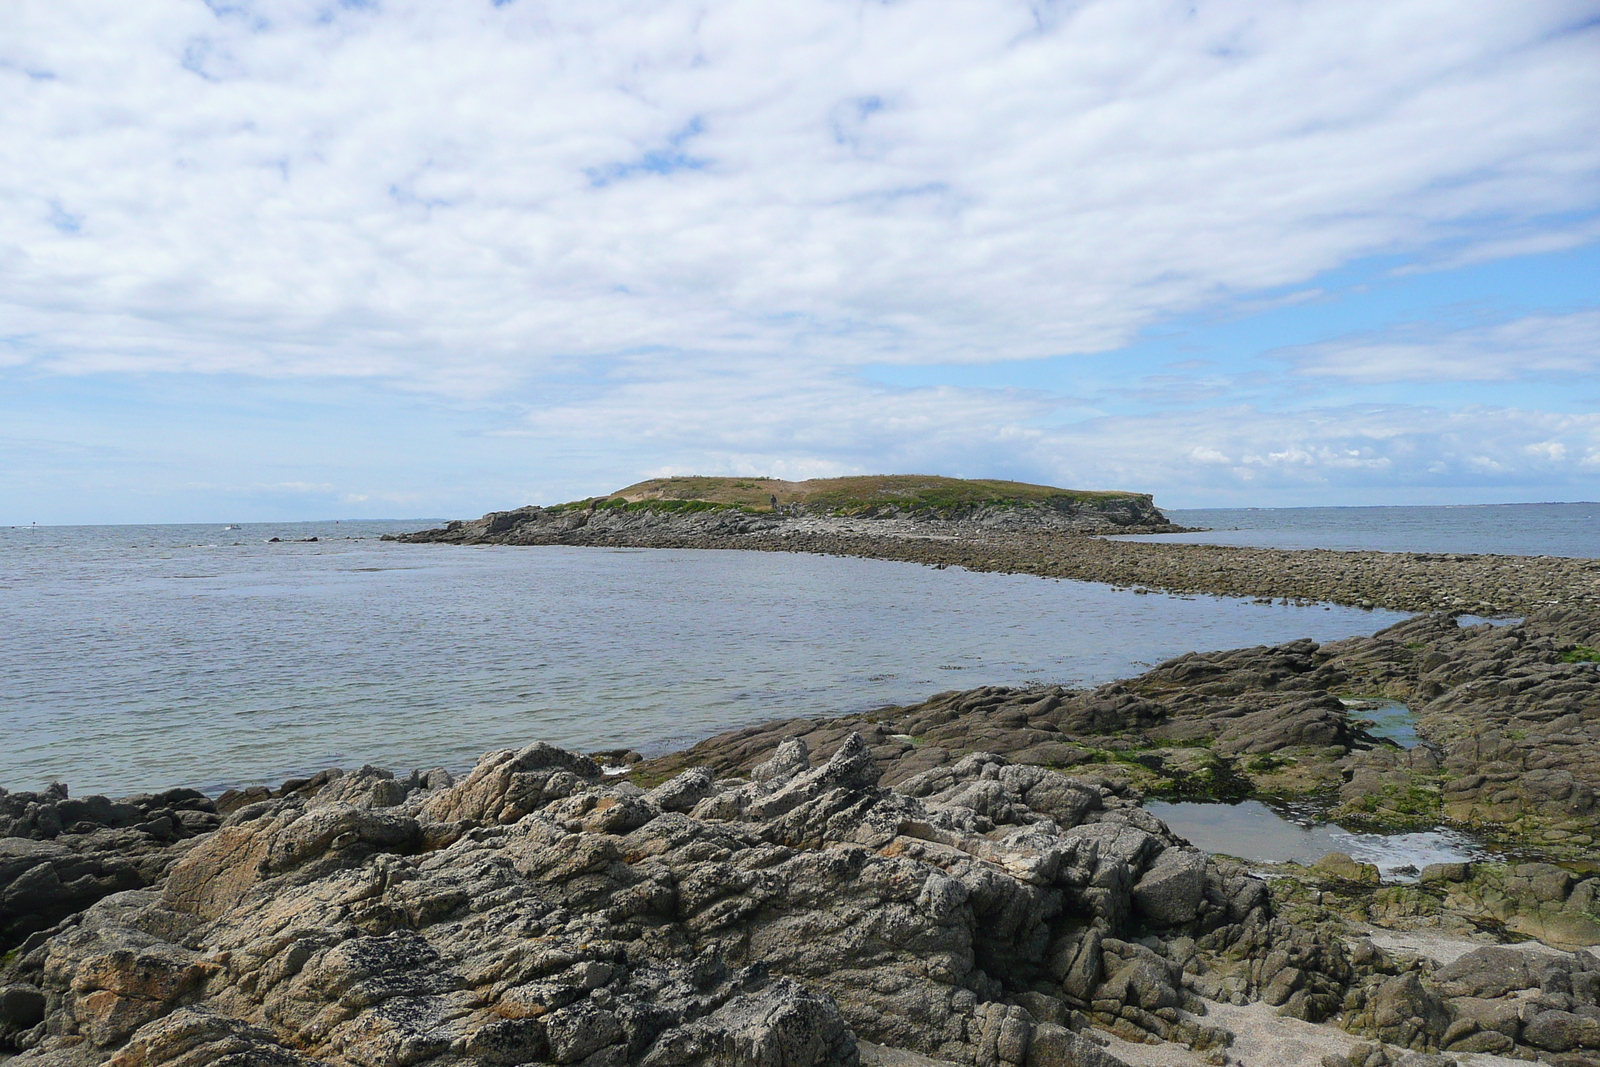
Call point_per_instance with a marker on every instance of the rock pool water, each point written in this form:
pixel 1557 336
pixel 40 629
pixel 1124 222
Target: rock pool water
pixel 1389 718
pixel 1256 833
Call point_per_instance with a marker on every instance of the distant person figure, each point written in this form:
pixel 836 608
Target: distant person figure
pixel 774 501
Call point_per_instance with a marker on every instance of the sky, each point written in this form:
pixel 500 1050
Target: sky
pixel 300 259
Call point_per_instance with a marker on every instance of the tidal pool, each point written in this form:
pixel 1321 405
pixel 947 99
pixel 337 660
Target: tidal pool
pixel 1256 833
pixel 1389 718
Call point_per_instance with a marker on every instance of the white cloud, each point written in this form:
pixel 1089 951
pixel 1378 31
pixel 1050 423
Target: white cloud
pixel 456 197
pixel 1535 346
pixel 771 421
pixel 1349 454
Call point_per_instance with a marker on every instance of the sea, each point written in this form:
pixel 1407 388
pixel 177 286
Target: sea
pixel 137 658
pixel 1502 529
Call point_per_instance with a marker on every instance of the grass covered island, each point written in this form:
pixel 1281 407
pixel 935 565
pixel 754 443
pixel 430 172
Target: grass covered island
pixel 871 494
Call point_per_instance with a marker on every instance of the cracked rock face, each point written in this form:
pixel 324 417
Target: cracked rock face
pixel 985 913
pixel 1492 1000
pixel 59 854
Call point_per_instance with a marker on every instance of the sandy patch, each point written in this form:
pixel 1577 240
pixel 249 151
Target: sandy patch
pixel 1445 948
pixel 1263 1038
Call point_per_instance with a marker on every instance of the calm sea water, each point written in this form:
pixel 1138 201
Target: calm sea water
pixel 138 657
pixel 1507 529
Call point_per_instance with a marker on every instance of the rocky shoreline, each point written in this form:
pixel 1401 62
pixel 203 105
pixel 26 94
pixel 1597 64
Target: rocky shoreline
pixel 1000 541
pixel 970 880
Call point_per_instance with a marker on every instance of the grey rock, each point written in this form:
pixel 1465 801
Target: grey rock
pixel 1445 872
pixel 683 792
pixel 1170 892
pixel 1408 1015
pixel 1561 1031
pixel 579 1031
pixel 1486 972
pixel 784 1025
pixel 791 758
pixel 535 911
pixel 1056 1046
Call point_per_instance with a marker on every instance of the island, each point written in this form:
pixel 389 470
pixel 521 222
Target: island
pixel 1014 527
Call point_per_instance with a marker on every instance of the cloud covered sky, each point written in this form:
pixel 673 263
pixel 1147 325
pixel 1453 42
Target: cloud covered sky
pixel 296 258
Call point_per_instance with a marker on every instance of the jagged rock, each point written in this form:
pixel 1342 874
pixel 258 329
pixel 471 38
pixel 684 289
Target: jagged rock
pixel 1170 892
pixel 60 854
pixel 792 757
pixel 1562 1031
pixel 43 882
pixel 1404 1013
pixel 505 786
pixel 536 912
pixel 370 787
pixel 1056 1046
pixel 683 792
pixel 1509 748
pixel 1486 972
pixel 194 1038
pixel 1340 866
pixel 1364 1055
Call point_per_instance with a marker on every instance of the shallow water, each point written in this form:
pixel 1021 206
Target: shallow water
pixel 1254 832
pixel 1391 720
pixel 1507 529
pixel 144 657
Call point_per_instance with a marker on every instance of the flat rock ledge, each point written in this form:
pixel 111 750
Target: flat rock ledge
pixel 1013 542
pixel 1507 716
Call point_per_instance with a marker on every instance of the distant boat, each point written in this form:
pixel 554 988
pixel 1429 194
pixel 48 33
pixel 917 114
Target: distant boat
pixel 232 527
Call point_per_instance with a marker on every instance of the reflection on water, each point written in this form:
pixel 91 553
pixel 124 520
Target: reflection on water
pixel 1385 718
pixel 1254 832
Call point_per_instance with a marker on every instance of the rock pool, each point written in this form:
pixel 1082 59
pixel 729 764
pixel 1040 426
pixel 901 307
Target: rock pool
pixel 1256 833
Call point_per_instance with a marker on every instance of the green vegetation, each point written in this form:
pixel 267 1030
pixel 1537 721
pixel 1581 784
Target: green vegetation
pixel 676 506
pixel 1176 778
pixel 842 496
pixel 1396 807
pixel 1581 654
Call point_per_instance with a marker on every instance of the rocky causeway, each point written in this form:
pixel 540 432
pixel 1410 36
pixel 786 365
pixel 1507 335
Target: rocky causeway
pixel 974 879
pixel 998 541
